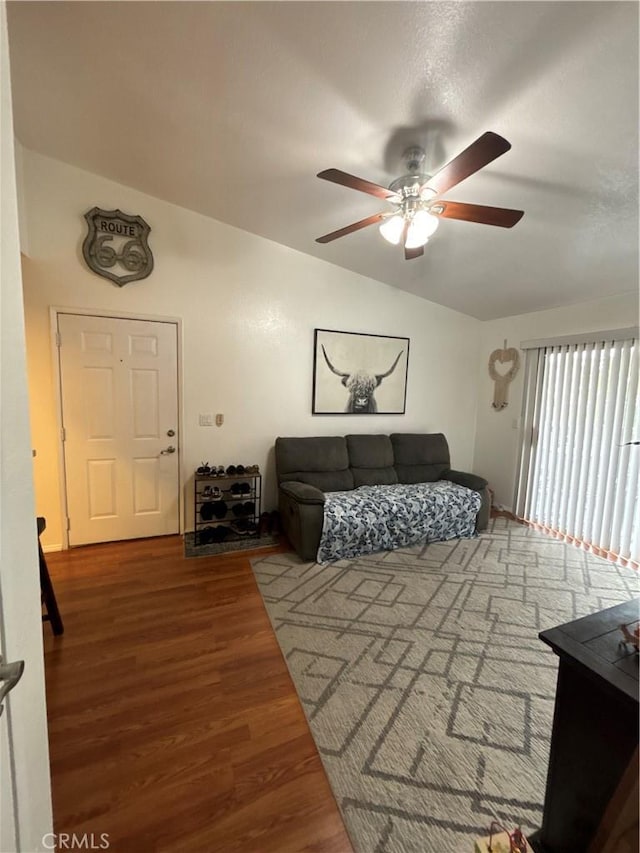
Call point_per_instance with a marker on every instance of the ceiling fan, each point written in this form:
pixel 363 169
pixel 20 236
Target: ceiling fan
pixel 417 211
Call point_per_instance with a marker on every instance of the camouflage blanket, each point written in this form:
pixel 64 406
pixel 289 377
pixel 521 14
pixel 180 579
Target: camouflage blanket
pixel 380 518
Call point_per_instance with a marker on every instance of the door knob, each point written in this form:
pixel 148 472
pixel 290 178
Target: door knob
pixel 171 433
pixel 11 674
pixel 170 449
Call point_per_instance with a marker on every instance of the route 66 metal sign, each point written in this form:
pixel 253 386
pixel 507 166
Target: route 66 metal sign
pixel 116 246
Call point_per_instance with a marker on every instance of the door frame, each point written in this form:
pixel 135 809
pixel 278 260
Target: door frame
pixel 54 312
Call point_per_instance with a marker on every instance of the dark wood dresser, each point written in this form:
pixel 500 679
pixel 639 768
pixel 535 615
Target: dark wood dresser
pixel 595 726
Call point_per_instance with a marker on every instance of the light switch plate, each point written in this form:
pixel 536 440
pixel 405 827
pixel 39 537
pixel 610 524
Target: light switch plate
pixel 205 420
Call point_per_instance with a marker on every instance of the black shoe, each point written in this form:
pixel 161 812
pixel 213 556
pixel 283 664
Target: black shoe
pixel 264 524
pixel 206 511
pixel 219 509
pixel 204 469
pixel 204 536
pixel 244 527
pixel 245 489
pixel 220 534
pixel 274 523
pixel 231 470
pixel 235 490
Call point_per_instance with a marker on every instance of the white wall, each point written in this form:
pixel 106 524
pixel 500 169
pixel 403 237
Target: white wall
pixel 497 441
pixel 24 759
pixel 249 307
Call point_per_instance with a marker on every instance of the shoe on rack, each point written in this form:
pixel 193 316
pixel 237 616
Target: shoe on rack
pixel 207 493
pixel 219 509
pixel 203 469
pixel 220 533
pixel 206 511
pixel 204 536
pixel 251 469
pixel 235 490
pixel 245 489
pixel 249 507
pixel 220 471
pixel 244 527
pixel 240 469
pixel 231 470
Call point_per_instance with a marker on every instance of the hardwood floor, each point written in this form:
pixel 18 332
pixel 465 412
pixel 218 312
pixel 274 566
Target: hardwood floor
pixel 173 722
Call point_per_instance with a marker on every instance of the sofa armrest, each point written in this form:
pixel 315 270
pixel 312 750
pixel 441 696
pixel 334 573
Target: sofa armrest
pixel 462 478
pixel 302 492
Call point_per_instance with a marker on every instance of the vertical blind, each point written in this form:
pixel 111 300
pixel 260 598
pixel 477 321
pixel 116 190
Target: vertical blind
pixel 578 469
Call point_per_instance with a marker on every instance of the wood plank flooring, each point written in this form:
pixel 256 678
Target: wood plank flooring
pixel 173 722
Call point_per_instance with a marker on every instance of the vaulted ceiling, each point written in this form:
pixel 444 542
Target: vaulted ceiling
pixel 230 109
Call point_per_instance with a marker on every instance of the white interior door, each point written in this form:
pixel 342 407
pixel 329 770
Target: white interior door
pixel 119 391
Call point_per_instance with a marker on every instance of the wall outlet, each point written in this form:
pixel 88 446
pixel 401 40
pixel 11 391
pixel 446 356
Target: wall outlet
pixel 205 420
pixel 219 420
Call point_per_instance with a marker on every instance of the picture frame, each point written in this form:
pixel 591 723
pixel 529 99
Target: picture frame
pixel 357 373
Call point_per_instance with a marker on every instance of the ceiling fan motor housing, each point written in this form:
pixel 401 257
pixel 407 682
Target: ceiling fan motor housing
pixel 412 185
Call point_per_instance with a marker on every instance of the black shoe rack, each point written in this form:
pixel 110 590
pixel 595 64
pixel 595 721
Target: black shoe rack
pixel 227 507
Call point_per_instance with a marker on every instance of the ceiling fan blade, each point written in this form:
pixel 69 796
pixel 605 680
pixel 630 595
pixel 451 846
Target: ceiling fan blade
pixel 346 180
pixel 481 152
pixel 349 229
pixel 501 216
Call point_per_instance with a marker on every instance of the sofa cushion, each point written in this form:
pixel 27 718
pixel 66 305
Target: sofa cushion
pixel 321 461
pixel 420 457
pixel 326 481
pixel 318 453
pixel 371 458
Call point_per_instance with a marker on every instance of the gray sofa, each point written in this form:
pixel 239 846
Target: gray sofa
pixel 309 467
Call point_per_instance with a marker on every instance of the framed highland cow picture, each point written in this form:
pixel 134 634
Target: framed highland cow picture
pixel 359 374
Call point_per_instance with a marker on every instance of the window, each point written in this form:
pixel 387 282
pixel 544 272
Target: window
pixel 580 457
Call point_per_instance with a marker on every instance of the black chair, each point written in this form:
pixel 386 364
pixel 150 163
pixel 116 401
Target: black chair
pixel 46 587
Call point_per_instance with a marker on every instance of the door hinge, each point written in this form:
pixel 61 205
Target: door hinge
pixel 68 524
pixel 63 434
pixel 58 339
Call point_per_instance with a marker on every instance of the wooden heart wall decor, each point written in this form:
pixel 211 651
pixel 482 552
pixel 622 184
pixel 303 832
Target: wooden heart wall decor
pixel 509 358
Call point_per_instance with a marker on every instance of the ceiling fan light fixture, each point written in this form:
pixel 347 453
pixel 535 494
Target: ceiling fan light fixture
pixel 426 193
pixel 422 226
pixel 392 228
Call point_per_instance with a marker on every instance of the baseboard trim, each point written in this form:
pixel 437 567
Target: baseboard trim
pixel 48 549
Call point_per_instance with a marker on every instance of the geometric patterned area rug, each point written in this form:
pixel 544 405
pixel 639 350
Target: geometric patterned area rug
pixel 427 690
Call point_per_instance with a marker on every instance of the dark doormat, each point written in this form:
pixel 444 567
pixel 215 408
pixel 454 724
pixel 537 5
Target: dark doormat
pixel 249 543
